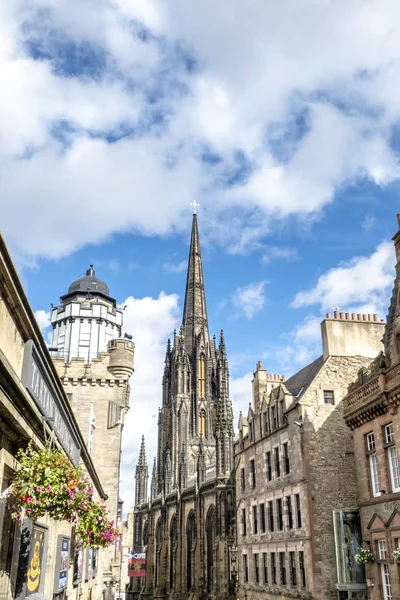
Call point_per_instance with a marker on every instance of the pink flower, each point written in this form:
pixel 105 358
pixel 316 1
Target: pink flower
pixel 48 488
pixel 37 501
pixel 29 510
pixel 18 517
pixel 38 489
pixel 29 500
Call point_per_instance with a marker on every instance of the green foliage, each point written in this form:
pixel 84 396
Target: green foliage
pixel 94 528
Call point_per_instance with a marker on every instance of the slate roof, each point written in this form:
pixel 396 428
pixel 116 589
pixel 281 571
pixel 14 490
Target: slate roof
pixel 298 383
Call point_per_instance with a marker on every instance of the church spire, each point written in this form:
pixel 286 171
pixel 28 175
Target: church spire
pixel 141 476
pixel 194 312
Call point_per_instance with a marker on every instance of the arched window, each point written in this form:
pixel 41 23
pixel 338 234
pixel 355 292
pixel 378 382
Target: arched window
pixel 158 552
pixel 210 543
pixel 191 540
pixel 202 377
pixel 173 547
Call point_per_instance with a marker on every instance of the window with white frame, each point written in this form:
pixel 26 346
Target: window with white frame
pixel 389 433
pixel 373 463
pixel 391 451
pixel 370 438
pixel 373 466
pixel 382 551
pixel 386 583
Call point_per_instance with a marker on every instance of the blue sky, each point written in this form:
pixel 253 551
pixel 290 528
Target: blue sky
pixel 281 120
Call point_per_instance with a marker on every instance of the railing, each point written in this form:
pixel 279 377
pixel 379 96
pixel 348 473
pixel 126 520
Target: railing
pixel 372 389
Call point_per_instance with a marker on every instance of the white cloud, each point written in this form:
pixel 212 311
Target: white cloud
pixel 250 299
pixel 175 268
pixel 360 285
pixel 43 319
pixel 276 252
pixel 240 392
pixel 307 118
pixel 150 321
pixel 304 346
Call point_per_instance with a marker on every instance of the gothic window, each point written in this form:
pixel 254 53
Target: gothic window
pixel 158 552
pixel 190 550
pixel 210 534
pixel 202 423
pixel 202 377
pixel 172 552
pixel 146 534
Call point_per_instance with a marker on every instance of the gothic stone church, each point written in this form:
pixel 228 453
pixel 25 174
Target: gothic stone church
pixel 188 527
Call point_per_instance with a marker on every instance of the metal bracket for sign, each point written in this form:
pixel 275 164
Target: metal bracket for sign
pixel 48 438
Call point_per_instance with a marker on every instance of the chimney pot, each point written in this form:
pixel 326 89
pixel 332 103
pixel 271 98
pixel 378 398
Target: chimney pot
pixel 341 315
pixel 336 314
pixel 364 317
pixel 353 316
pixel 375 317
pixel 369 317
pixel 358 317
pixel 398 219
pixel 259 365
pixel 347 316
pixel 328 315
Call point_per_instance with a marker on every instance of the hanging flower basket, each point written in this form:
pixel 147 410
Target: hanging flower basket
pixel 93 527
pixel 364 556
pixel 47 483
pixel 396 554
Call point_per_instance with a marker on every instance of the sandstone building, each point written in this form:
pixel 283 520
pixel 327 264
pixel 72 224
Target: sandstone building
pixel 94 363
pixel 187 527
pixel 371 412
pixel 30 551
pixel 296 472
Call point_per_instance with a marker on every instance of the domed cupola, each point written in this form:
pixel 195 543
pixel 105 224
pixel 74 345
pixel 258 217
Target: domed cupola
pixel 89 284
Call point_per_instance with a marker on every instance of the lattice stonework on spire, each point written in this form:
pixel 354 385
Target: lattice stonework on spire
pixel 141 476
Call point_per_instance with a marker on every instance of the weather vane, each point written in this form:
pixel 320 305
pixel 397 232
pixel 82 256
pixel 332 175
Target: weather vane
pixel 337 308
pixel 195 205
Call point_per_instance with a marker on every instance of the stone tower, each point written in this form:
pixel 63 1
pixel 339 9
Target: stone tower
pixel 95 363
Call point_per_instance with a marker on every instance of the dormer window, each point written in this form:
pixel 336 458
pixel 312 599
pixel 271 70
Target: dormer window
pixel 251 431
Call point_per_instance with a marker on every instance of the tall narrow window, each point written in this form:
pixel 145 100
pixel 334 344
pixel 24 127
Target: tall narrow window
pixel 253 473
pixel 385 572
pixel 269 466
pixel 274 418
pixel 255 522
pixel 243 480
pixel 298 510
pixel 265 567
pixel 286 458
pixel 273 568
pixel 245 568
pixel 202 423
pixel 262 517
pixel 392 457
pixel 373 467
pixel 289 512
pixel 202 377
pixel 251 431
pixel 279 513
pixel 282 567
pixel 302 569
pixel 256 568
pixel 293 574
pixel 244 521
pixel 277 462
pixel 271 515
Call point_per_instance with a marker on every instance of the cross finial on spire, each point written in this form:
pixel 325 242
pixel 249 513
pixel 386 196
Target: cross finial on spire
pixel 195 205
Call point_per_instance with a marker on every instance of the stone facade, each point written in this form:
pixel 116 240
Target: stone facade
pixel 21 421
pixel 187 528
pixel 295 466
pixel 97 386
pixel 371 412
